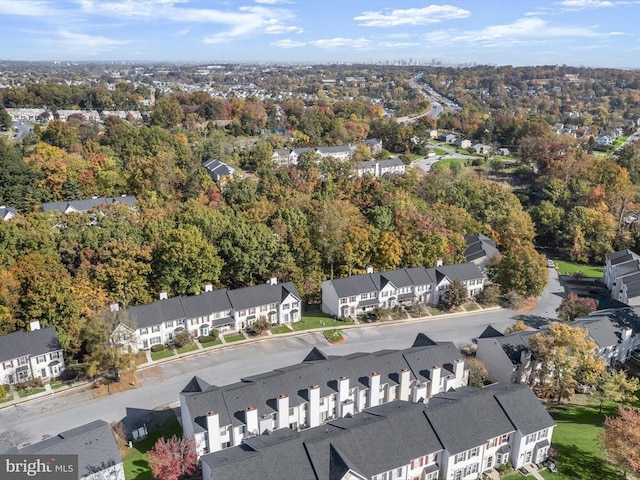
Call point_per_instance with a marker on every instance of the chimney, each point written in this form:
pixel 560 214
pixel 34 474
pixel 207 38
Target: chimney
pixel 434 378
pixel 626 333
pixel 213 432
pixel 405 385
pixel 251 420
pixel 34 325
pixel 374 389
pixel 314 406
pixel 343 389
pixel 273 281
pixel 347 408
pixel 419 392
pixel 458 369
pixel 439 262
pixel 369 269
pixel 208 287
pixel 163 295
pixel 283 411
pixel 114 307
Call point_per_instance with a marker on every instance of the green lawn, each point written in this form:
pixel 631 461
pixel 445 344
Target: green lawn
pixel 217 341
pixel 313 319
pixel 568 268
pixel 189 348
pixel 619 141
pixel 333 335
pixel 160 355
pixel 136 466
pixel 280 329
pixel 8 398
pixel 234 337
pixel 434 311
pixel 576 440
pixel 30 391
pixel 517 476
pixel 470 306
pixel 450 162
pixel 438 151
pixel 56 384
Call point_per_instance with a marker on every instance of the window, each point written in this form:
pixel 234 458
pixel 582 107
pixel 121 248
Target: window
pixel 263 308
pixel 23 360
pixel 42 359
pixel 291 411
pixel 144 331
pixel 363 296
pixel 286 306
pixel 473 468
pixel 459 457
pixel 7 365
pixel 399 472
pixel 343 301
pixel 155 329
pixel 295 305
pixel 168 324
pixel 156 340
pixel 252 311
pixel 54 355
pixel 223 431
pixel 474 452
pixel 505 438
pixel 352 299
pixel 543 434
pixel 385 294
pixel 531 438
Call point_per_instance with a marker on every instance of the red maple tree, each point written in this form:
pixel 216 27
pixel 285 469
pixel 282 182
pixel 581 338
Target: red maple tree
pixel 173 459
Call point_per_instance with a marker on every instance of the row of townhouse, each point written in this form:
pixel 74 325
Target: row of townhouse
pixel 357 294
pixel 287 156
pixel 226 310
pixel 622 276
pixel 43 114
pixel 508 358
pixel 315 391
pixel 84 205
pixel 455 436
pixel 28 355
pixel 379 168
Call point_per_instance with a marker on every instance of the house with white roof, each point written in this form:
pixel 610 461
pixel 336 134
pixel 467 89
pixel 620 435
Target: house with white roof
pixel 28 355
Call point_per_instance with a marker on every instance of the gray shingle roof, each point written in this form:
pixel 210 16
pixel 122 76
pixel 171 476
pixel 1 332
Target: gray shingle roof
pixel 87 204
pixel 218 169
pixel 461 271
pixel 523 408
pixel 93 443
pixel 615 255
pixel 353 285
pixel 628 267
pixel 490 332
pixel 622 257
pixel 260 390
pixel 514 344
pixel 157 312
pixel 600 329
pixel 21 343
pixel 374 441
pixel 243 298
pixel 7 213
pixel 479 246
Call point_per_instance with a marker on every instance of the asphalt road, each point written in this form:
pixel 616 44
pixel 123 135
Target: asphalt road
pixel 23 130
pixel 162 383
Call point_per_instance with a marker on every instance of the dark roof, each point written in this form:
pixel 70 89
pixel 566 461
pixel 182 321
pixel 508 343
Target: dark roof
pixel 514 344
pixel 616 255
pixel 391 162
pixel 490 332
pixel 523 408
pixel 600 329
pixel 423 341
pixel 628 267
pixel 7 212
pixel 461 271
pixel 374 441
pixel 87 204
pixel 93 443
pixel 179 308
pixel 218 169
pixel 372 282
pixel 468 417
pixel 622 257
pixel 330 150
pixel 479 246
pixel 21 343
pixel 316 369
pixel 353 285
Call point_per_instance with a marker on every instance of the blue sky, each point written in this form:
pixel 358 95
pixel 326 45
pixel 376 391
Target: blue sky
pixel 598 33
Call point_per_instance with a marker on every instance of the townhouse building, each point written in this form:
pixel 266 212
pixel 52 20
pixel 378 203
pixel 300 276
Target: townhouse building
pixel 225 310
pixel 286 156
pixel 509 360
pixel 357 294
pixel 455 436
pixel 622 276
pixel 318 389
pixel 480 249
pixel 93 443
pixel 379 168
pixel 78 206
pixel 28 355
pixel 218 171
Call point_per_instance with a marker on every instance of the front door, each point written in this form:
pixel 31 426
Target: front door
pixel 527 457
pixel 489 463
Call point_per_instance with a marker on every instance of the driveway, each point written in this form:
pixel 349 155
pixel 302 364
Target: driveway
pixel 162 383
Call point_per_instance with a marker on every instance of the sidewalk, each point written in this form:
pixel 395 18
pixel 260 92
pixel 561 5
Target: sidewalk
pixel 224 344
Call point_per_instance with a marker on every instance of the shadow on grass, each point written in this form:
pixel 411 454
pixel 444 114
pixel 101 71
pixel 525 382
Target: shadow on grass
pixel 576 463
pixel 586 415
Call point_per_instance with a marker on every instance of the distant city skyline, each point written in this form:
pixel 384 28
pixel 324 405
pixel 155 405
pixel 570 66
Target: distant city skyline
pixel 593 33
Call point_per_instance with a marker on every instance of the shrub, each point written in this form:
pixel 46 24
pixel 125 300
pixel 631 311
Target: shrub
pixel 68 374
pixel 505 468
pixel 489 295
pixel 3 391
pixel 259 326
pixel 183 338
pixel 513 299
pixel 33 383
pixel 207 338
pixel 157 348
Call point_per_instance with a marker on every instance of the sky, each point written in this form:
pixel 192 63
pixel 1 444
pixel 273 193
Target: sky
pixel 595 33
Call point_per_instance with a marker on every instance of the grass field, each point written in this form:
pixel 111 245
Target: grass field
pixel 234 337
pixel 280 329
pixel 439 151
pixel 136 465
pixel 217 341
pixel 313 319
pixel 576 439
pixel 450 162
pixel 333 336
pixel 30 391
pixel 160 355
pixel 619 141
pixel 568 268
pixel 56 384
pixel 189 348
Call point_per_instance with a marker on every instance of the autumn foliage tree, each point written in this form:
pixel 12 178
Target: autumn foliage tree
pixel 455 296
pixel 621 439
pixel 573 307
pixel 173 459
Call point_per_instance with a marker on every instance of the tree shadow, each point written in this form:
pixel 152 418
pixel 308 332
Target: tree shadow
pixel 574 462
pixel 534 321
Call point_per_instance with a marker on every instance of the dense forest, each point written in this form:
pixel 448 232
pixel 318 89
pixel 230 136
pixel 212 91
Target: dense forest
pixel 305 223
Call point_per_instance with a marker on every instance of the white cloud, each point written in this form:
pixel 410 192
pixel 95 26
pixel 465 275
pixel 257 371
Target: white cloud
pixel 524 29
pixel 273 2
pixel 584 4
pixel 288 43
pixel 27 8
pixel 339 42
pixel 279 29
pixel 411 16
pixel 398 44
pixel 80 42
